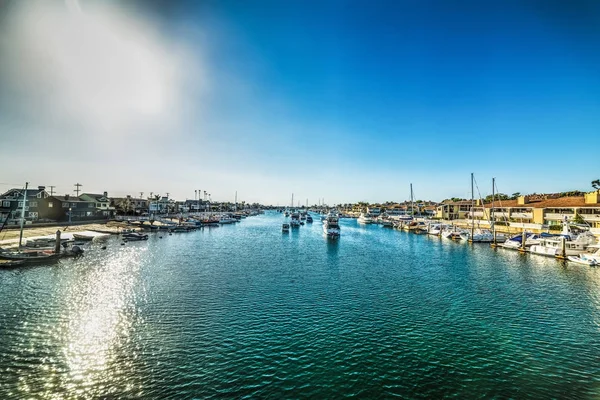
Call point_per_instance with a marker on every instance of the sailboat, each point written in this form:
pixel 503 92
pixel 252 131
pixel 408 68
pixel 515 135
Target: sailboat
pixel 477 235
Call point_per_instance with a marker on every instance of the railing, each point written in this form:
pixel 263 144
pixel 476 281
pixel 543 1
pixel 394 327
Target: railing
pixel 557 216
pixel 521 215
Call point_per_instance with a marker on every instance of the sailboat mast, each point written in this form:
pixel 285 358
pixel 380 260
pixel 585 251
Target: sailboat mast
pixel 292 200
pixel 472 208
pixel 235 208
pixel 23 214
pixel 492 210
pixel 412 207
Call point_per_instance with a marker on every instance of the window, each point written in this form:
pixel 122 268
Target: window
pixel 33 204
pixel 20 204
pixel 73 205
pixel 98 205
pixel 50 204
pixel 6 204
pixel 65 205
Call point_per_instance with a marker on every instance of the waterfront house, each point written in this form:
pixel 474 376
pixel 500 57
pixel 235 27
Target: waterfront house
pixel 63 208
pixel 101 202
pixel 11 204
pixel 374 211
pixel 129 205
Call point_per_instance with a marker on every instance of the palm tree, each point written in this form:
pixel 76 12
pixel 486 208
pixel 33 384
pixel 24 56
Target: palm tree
pixel 596 184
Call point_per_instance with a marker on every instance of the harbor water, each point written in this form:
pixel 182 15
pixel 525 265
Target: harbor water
pixel 246 311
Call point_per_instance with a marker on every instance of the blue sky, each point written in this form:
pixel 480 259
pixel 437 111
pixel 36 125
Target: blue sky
pixel 342 100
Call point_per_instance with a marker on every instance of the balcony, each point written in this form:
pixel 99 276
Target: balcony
pixel 521 215
pixel 591 217
pixel 501 215
pixel 558 216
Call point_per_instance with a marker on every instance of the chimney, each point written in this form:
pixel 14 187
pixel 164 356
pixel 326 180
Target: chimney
pixel 522 200
pixel 105 194
pixel 66 197
pixel 41 187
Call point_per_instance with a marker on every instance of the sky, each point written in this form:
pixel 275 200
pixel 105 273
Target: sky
pixel 344 101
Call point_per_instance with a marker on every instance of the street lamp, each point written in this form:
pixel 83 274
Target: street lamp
pixel 69 215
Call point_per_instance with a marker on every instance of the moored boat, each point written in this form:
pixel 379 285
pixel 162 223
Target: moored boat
pixel 285 227
pixel 135 236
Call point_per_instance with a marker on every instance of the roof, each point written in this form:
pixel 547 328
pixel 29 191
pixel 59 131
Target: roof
pixel 95 195
pixel 71 199
pixel 578 201
pixel 32 191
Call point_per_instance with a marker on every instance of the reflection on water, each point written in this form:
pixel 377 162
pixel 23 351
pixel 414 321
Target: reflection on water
pixel 242 311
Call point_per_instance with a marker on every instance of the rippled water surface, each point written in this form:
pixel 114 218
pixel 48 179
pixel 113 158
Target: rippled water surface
pixel 246 311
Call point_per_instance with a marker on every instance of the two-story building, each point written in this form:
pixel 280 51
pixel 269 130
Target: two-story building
pixel 101 202
pixel 129 205
pixel 543 210
pixel 450 210
pixel 67 207
pixel 11 204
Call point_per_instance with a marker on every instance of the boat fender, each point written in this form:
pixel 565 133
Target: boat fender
pixel 103 247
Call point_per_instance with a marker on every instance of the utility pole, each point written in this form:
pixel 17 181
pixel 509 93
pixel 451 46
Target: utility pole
pixel 51 190
pixel 77 190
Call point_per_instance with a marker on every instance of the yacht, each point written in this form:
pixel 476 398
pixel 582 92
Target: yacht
pixel 331 226
pixel 309 219
pixel 365 219
pixel 552 245
pixel 295 220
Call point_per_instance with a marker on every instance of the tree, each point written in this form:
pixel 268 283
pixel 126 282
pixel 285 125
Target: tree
pixel 515 196
pixel 596 184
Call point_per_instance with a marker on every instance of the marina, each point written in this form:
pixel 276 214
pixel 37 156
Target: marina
pixel 376 312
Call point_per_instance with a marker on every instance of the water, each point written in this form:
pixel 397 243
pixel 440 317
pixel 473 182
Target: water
pixel 246 311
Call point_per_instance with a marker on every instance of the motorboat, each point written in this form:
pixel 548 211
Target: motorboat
pixel 309 219
pixel 516 242
pixel 583 259
pixel 225 219
pixel 331 226
pixel 135 236
pixel 285 227
pixel 364 219
pixel 295 220
pixel 479 236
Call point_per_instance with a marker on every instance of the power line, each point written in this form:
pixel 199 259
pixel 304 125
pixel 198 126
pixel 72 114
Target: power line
pixel 77 190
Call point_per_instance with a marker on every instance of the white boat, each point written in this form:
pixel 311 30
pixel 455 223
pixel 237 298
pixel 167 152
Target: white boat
pixel 566 243
pixel 591 256
pixel 331 226
pixel 226 219
pixel 479 236
pixel 285 227
pixel 583 259
pixel 295 220
pixel 365 219
pixel 516 241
